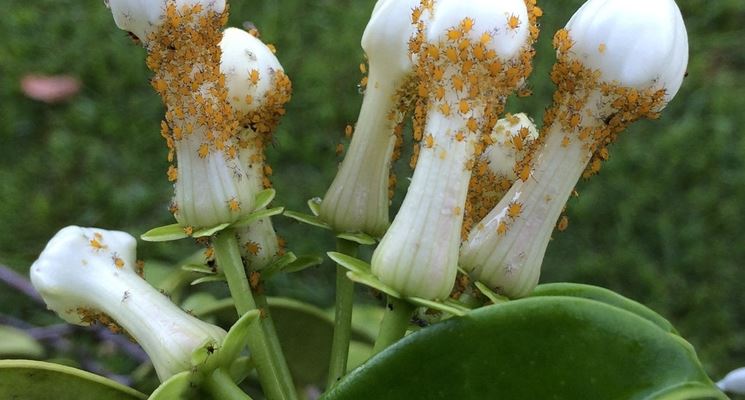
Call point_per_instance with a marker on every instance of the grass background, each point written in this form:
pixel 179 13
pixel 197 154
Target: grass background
pixel 663 223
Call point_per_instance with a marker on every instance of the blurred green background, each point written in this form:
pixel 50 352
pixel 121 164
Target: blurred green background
pixel 663 223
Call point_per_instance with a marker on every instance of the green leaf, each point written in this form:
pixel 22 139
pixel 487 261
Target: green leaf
pixel 257 215
pixel 314 205
pixel 307 219
pixel 207 279
pixel 235 341
pixel 15 343
pixel 359 238
pixel 551 347
pixel 164 233
pixel 264 197
pixel 301 263
pixel 209 231
pixel 37 380
pixel 351 263
pixel 604 296
pixel 174 388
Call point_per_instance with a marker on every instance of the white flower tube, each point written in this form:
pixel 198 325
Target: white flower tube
pixel 618 61
pixel 88 275
pixel 257 90
pixel 471 57
pixel 357 200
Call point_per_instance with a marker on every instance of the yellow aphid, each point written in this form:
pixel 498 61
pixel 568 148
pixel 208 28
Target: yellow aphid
pixel 188 230
pixel 463 107
pixel 565 141
pixel 439 93
pixel 348 130
pixel 363 68
pixel 429 141
pixel 485 38
pixel 601 48
pixel 252 248
pixel 416 13
pixel 454 34
pixel 96 243
pixel 253 76
pixel 502 228
pixel 451 54
pixel 172 173
pixel 443 154
pixel 457 211
pixel 563 223
pixel 459 136
pixel 209 252
pixel 118 262
pixel 457 83
pixel 514 209
pixel 204 150
pixel 234 205
pixel 339 149
pixel 466 24
pixel 513 22
pixel 445 109
pixel 472 125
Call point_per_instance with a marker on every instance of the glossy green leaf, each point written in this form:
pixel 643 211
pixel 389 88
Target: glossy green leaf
pixel 604 296
pixel 257 215
pixel 359 238
pixel 164 233
pixel 551 347
pixel 263 198
pixel 15 343
pixel 314 205
pixel 37 380
pixel 307 219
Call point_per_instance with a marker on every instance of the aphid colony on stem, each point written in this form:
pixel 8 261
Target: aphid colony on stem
pixel 618 61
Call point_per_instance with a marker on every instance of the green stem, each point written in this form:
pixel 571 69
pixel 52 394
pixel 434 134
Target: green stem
pixel 222 387
pixel 343 316
pixel 276 352
pixel 272 374
pixel 395 321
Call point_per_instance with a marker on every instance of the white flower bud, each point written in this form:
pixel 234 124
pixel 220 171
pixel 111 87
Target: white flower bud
pixel 609 73
pixel 636 43
pixel 87 275
pixel 143 17
pixel 357 200
pixel 471 58
pixel 734 382
pixel 257 89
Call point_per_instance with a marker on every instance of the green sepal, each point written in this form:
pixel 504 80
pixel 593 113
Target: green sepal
pixel 263 198
pixel 447 307
pixel 490 294
pixel 199 268
pixel 165 233
pixel 241 368
pixel 548 347
pixel 15 343
pixel 314 205
pixel 351 263
pixel 373 282
pixel 278 264
pixel 38 380
pixel 207 279
pixel 360 272
pixel 209 231
pixel 301 263
pixel 173 388
pixel 359 238
pixel 235 340
pixel 307 219
pixel 257 215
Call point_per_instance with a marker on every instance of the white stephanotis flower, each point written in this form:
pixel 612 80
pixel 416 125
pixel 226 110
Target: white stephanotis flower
pixel 618 61
pixel 143 17
pixel 257 90
pixel 471 56
pixel 88 275
pixel 357 200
